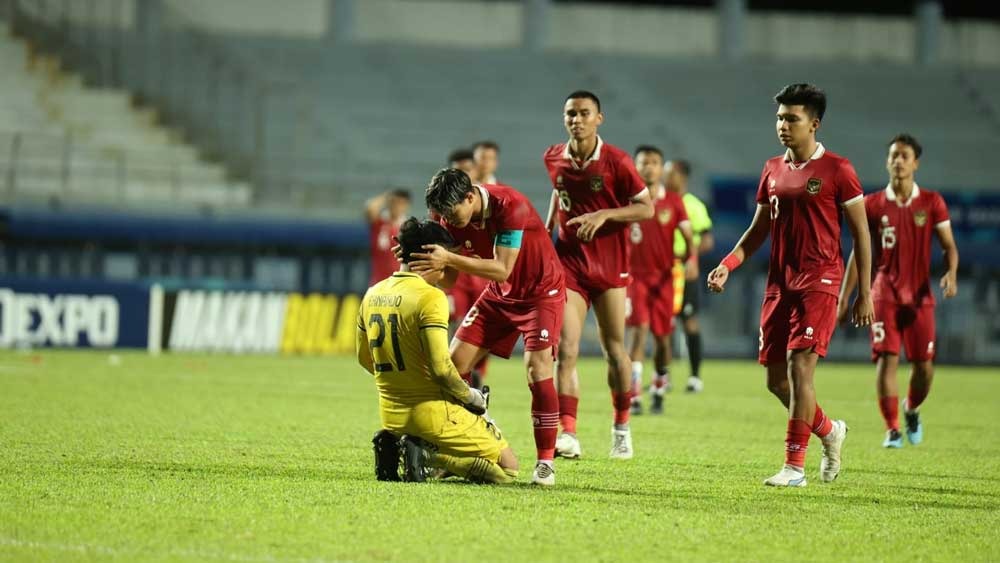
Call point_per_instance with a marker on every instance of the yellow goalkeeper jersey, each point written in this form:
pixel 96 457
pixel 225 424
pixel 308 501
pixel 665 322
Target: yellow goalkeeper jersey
pixel 404 320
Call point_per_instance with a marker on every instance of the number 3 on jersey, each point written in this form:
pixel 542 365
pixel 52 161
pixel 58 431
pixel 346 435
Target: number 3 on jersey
pixel 376 319
pixel 773 200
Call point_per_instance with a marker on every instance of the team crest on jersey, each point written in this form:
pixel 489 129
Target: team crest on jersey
pixel 559 182
pixel 813 186
pixel 596 183
pixel 920 218
pixel 468 244
pixel 664 217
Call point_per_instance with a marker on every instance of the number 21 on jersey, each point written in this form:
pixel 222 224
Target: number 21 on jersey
pixel 376 319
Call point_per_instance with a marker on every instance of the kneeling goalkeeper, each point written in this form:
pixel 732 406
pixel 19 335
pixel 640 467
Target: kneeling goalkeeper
pixel 402 339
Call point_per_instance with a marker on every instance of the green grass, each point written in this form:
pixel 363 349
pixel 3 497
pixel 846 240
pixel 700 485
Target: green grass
pixel 268 459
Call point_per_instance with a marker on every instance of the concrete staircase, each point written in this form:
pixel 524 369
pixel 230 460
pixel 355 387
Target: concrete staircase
pixel 60 139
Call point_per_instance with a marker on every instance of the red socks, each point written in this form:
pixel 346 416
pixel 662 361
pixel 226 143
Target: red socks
pixel 545 417
pixel 889 406
pixel 821 425
pixel 623 404
pixel 567 412
pixel 796 442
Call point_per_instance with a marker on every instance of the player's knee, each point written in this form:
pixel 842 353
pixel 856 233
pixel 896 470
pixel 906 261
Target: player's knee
pixel 387 453
pixel 568 352
pixel 778 387
pixel 924 369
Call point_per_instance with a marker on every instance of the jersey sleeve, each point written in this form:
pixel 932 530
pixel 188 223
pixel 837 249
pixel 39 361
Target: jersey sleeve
pixel 762 195
pixel 628 183
pixel 939 212
pixel 848 186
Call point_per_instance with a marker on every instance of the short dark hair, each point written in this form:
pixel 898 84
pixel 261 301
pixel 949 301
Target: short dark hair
pixel 448 187
pixel 908 139
pixel 401 193
pixel 682 165
pixel 647 148
pixel 459 155
pixel 414 234
pixel 808 95
pixel 486 145
pixel 584 94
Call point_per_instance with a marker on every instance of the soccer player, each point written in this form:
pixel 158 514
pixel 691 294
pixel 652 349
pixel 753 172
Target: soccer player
pixel 650 296
pixel 487 157
pixel 596 194
pixel 904 216
pixel 686 275
pixel 402 339
pixel 384 214
pixel 800 200
pixel 501 237
pixel 467 287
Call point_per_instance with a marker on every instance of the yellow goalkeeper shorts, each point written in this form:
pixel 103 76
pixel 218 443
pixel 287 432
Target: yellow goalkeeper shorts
pixel 452 429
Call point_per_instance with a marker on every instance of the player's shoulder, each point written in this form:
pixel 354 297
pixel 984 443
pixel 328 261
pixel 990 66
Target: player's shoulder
pixel 505 194
pixel 554 152
pixel 836 160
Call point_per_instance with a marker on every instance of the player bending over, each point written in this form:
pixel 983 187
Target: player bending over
pixel 800 200
pixel 402 339
pixel 902 219
pixel 500 237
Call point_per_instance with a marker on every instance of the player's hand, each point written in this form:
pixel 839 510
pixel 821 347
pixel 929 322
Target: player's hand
pixel 435 259
pixel 589 224
pixel 842 310
pixel 476 403
pixel 691 270
pixel 864 311
pixel 949 285
pixel 397 250
pixel 717 279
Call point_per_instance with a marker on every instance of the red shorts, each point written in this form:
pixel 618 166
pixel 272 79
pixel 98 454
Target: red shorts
pixel 464 293
pixel 795 321
pixel 496 325
pixel 914 326
pixel 650 300
pixel 590 276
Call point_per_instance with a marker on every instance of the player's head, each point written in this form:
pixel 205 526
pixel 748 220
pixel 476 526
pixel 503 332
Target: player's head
pixel 414 234
pixel 904 156
pixel 676 174
pixel 398 203
pixel 800 111
pixel 451 195
pixel 649 164
pixel 464 160
pixel 582 115
pixel 487 157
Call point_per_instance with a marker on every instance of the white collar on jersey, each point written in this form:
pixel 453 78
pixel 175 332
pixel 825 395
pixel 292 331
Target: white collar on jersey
pixel 816 155
pixel 596 156
pixel 486 205
pixel 891 195
pixel 659 191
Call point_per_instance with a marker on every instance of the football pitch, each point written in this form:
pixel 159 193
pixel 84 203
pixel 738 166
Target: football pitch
pixel 226 458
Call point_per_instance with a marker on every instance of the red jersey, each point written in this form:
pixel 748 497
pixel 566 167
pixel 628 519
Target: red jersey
pixel 380 234
pixel 652 240
pixel 902 249
pixel 607 180
pixel 509 216
pixel 805 201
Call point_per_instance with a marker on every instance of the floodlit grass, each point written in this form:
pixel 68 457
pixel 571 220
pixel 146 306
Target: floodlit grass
pixel 268 459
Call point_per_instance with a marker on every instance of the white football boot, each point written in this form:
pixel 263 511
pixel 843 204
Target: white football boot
pixel 789 476
pixel 621 444
pixel 568 446
pixel 829 465
pixel 544 474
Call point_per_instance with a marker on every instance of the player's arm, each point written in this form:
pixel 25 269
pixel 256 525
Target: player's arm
pixel 550 217
pixel 949 281
pixel 374 206
pixel 751 240
pixel 690 257
pixel 505 250
pixel 847 289
pixel 640 208
pixel 361 347
pixel 857 222
pixel 434 337
pixel 707 243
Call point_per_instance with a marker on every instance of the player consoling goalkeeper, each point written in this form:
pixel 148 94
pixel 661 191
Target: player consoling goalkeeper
pixel 431 419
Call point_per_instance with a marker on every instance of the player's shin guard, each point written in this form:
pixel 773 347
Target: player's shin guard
pixel 889 407
pixel 474 469
pixel 568 406
pixel 622 403
pixel 796 442
pixel 545 417
pixel 821 425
